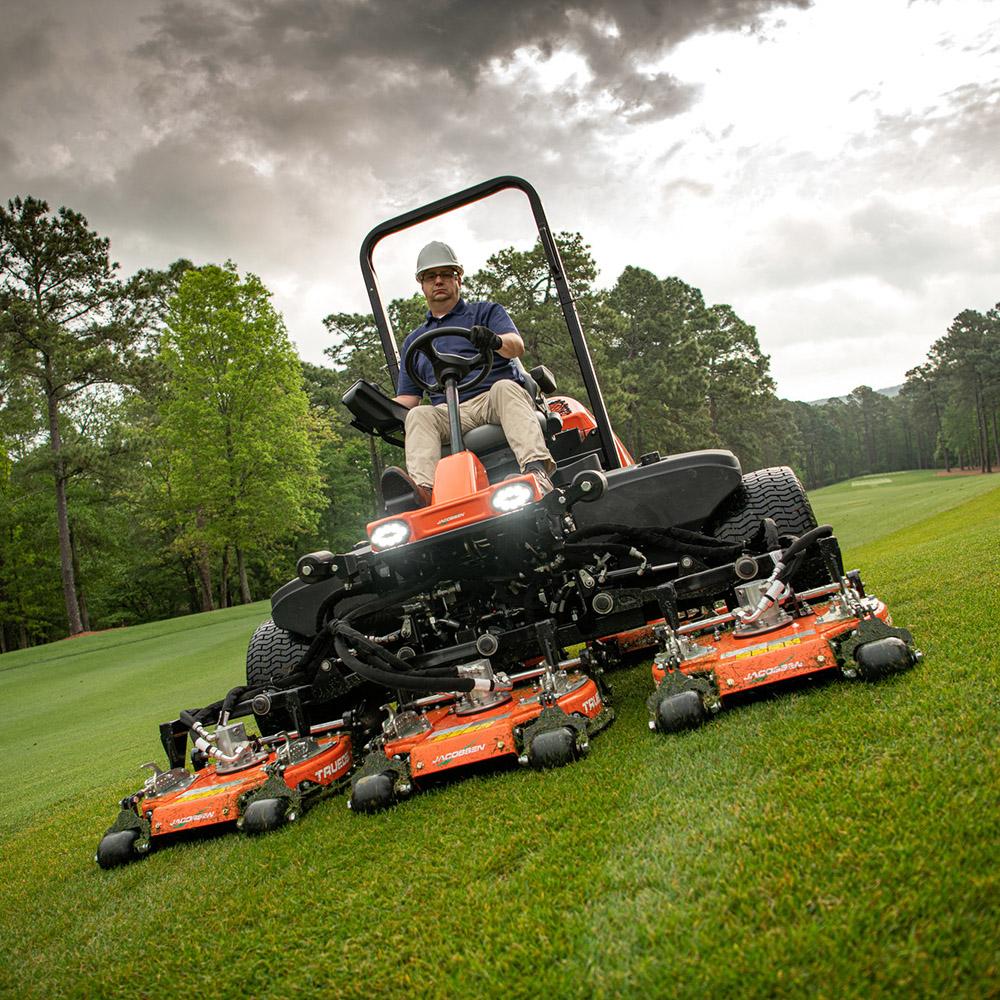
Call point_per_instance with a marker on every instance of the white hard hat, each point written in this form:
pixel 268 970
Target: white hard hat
pixel 437 254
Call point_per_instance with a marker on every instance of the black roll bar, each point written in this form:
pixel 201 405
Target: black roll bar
pixel 467 197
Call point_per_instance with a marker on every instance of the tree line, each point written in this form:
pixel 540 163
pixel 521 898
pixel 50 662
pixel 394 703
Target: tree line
pixel 164 451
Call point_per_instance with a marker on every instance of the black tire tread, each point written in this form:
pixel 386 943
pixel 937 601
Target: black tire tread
pixel 272 654
pixel 776 493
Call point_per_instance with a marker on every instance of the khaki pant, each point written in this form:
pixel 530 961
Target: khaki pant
pixel 507 403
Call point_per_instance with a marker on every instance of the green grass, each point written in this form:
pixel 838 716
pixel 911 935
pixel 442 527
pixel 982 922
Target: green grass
pixel 835 841
pixel 870 507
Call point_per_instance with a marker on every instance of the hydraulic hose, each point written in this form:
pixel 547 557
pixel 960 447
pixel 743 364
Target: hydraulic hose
pixel 392 661
pixel 400 681
pixel 682 540
pixel 201 740
pixel 799 545
pixel 785 564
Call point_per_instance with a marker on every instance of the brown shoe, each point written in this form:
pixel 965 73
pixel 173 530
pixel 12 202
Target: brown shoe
pixel 397 485
pixel 541 476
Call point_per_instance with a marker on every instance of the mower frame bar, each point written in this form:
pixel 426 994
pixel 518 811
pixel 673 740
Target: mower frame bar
pixel 467 197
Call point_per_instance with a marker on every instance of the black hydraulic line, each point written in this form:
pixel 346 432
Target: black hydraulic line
pixel 691 543
pixel 790 555
pixel 403 682
pixel 232 699
pixel 811 536
pixel 793 567
pixel 191 719
pixel 362 642
pixel 373 606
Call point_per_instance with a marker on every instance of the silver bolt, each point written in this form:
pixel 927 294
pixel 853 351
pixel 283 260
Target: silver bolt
pixel 326 666
pixel 306 570
pixel 652 725
pixel 523 759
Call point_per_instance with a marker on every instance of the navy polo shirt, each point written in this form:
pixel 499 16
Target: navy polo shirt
pixel 466 315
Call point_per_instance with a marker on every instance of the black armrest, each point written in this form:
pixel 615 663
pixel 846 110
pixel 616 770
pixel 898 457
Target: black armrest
pixel 545 379
pixel 373 411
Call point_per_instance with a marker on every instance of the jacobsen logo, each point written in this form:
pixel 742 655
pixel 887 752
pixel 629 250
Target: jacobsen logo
pixel 453 517
pixel 184 820
pixel 447 758
pixel 332 770
pixel 781 668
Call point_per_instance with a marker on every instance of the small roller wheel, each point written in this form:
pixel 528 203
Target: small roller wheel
pixel 373 793
pixel 680 711
pixel 883 657
pixel 555 748
pixel 117 849
pixel 265 815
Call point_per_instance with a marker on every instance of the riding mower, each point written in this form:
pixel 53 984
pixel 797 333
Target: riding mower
pixel 477 629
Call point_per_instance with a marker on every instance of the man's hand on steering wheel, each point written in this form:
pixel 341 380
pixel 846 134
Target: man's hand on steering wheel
pixel 443 364
pixel 483 339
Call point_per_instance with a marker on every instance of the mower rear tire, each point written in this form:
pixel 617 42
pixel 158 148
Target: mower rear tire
pixel 373 793
pixel 778 494
pixel 680 711
pixel 116 849
pixel 555 748
pixel 264 815
pixel 272 654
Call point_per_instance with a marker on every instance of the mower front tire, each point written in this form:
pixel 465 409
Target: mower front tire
pixel 265 815
pixel 883 658
pixel 373 793
pixel 117 849
pixel 555 748
pixel 680 711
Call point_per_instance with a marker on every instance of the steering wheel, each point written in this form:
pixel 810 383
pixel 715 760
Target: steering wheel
pixel 444 364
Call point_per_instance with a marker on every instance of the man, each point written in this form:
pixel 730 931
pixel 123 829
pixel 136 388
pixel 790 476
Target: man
pixel 499 399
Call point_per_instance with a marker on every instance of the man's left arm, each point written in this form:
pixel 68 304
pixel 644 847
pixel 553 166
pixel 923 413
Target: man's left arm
pixel 505 339
pixel 511 345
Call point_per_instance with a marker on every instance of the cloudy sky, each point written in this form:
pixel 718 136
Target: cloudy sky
pixel 830 169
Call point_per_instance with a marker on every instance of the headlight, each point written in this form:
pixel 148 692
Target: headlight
pixel 385 536
pixel 511 496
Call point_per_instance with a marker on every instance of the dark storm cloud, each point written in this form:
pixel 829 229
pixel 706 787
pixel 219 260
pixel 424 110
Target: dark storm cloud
pixel 417 55
pixel 24 52
pixel 405 91
pixel 214 129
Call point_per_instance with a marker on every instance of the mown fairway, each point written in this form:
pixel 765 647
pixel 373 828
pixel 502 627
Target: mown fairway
pixel 834 841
